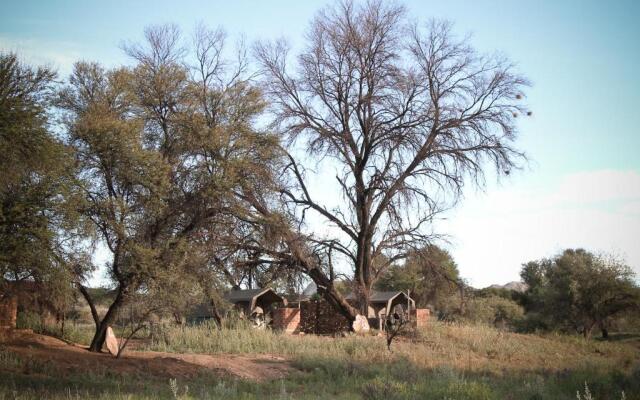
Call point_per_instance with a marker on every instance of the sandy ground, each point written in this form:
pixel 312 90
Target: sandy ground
pixel 74 358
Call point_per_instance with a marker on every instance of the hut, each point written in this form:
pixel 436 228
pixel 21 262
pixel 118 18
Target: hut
pixel 382 304
pixel 316 315
pixel 256 304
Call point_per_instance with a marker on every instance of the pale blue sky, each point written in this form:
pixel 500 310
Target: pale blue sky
pixel 583 139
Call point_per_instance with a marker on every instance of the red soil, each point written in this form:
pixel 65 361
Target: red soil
pixel 74 358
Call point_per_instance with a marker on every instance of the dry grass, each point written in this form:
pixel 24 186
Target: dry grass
pixel 443 361
pixel 462 347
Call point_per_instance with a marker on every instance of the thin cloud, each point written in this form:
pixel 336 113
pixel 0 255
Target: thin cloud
pixel 495 233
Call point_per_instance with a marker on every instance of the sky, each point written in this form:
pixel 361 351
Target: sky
pixel 581 186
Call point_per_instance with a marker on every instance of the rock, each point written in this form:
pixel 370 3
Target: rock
pixel 361 324
pixel 112 342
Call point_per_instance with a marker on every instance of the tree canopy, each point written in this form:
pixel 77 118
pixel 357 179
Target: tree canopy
pixel 405 113
pixel 191 164
pixel 430 275
pixel 162 147
pixel 39 223
pixel 578 290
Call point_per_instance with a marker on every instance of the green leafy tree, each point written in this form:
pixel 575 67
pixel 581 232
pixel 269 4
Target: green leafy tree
pixel 578 290
pixel 430 275
pixel 163 147
pixel 39 226
pixel 494 310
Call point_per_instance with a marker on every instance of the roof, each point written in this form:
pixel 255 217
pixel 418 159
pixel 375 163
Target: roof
pixel 252 296
pixel 245 294
pixel 383 297
pixel 379 297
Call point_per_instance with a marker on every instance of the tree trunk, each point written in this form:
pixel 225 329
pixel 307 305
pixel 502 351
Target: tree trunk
pixel 364 294
pixel 216 314
pixel 605 333
pixel 587 331
pixel 300 255
pixel 109 317
pixel 333 297
pixel 92 306
pixel 363 276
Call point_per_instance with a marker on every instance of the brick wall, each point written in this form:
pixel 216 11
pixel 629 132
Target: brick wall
pixel 8 312
pixel 420 317
pixel 287 319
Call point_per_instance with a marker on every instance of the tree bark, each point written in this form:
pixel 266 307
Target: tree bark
pixel 92 306
pixel 216 314
pixel 109 317
pixel 587 331
pixel 333 297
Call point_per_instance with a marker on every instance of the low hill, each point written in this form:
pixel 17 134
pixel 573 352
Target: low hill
pixel 515 285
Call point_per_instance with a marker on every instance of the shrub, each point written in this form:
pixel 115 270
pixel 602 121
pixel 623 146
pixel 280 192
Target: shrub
pixel 494 310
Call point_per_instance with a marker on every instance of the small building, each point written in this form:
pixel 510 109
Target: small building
pixel 200 313
pixel 313 314
pixel 256 304
pixel 382 304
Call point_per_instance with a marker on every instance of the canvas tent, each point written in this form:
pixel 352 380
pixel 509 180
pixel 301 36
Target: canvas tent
pixel 247 301
pixel 382 304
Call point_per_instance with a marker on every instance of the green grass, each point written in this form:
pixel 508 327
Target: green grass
pixel 441 362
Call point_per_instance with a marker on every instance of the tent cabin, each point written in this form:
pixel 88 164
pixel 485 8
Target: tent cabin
pixel 382 304
pixel 200 313
pixel 252 301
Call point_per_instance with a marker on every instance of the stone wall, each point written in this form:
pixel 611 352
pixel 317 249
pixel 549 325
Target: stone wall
pixel 8 312
pixel 286 319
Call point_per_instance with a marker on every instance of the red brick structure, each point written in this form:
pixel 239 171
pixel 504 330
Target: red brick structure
pixel 287 319
pixel 8 311
pixel 419 317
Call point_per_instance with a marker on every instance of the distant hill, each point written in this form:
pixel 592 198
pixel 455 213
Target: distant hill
pixel 517 286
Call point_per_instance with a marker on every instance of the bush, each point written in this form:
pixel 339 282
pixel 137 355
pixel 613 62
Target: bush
pixel 495 310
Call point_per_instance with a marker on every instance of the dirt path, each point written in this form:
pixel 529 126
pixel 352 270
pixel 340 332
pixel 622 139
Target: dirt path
pixel 54 353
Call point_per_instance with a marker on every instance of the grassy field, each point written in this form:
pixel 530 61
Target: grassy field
pixel 443 361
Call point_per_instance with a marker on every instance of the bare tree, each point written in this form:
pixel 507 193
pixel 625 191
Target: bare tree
pixel 407 113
